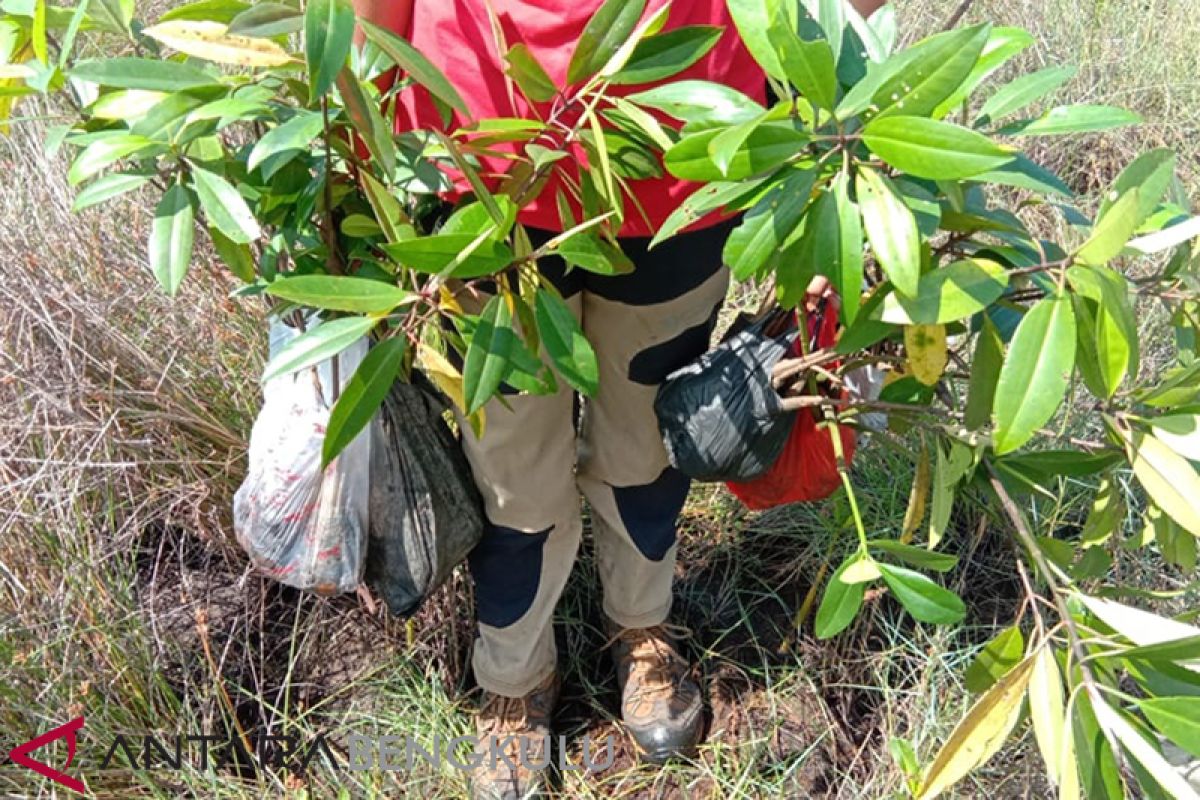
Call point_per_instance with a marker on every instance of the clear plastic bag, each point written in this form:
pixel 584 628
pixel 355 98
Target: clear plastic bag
pixel 304 526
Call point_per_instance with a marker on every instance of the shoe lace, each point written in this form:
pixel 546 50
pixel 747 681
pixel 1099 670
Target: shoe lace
pixel 653 656
pixel 504 715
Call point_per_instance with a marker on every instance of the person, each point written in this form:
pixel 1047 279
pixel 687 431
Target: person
pixel 533 460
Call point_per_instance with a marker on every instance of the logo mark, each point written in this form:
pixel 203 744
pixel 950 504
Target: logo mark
pixel 20 755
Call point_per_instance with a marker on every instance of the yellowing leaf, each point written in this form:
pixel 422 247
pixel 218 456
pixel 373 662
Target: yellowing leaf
pixel 16 71
pixel 1172 483
pixel 918 498
pixel 980 734
pixel 927 356
pixel 439 370
pixel 126 104
pixel 210 41
pixel 1047 709
pixel 863 570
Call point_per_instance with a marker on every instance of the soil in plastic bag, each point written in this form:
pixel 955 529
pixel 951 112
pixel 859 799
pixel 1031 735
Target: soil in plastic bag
pixel 425 511
pixel 720 417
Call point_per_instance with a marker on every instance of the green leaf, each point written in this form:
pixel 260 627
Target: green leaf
pixel 995 660
pixel 846 262
pixel 985 373
pixel 488 354
pixel 530 75
pixel 761 233
pixel 808 65
pixel 415 65
pixel 590 252
pixel 1096 764
pixel 237 257
pixel 1114 335
pixel 921 597
pixel 1073 119
pixel 891 229
pixel 1112 231
pixel 435 254
pixel 928 148
pixel 1150 174
pixel 142 73
pixel 767 147
pixel 564 341
pixel 814 250
pixel 171 238
pixel 604 34
pixel 475 218
pixel 112 15
pixel 1025 174
pixel 1183 650
pixel 206 10
pixel 1177 718
pixel 1105 516
pixel 362 395
pixel 1002 45
pixel 224 207
pixel 753 19
pixel 948 294
pixel 660 56
pixel 699 204
pixel 319 343
pixel 364 113
pixel 267 20
pixel 1025 90
pixel 1156 768
pixel 285 142
pixel 931 71
pixel 1034 378
pixel 916 556
pixel 108 187
pixel 700 103
pixel 723 146
pixel 339 293
pixel 103 152
pixel 328 31
pixel 840 604
pixel 1167 477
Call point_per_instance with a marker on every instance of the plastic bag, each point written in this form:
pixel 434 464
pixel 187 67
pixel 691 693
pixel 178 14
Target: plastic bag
pixel 398 505
pixel 720 417
pixel 425 511
pixel 300 525
pixel 807 468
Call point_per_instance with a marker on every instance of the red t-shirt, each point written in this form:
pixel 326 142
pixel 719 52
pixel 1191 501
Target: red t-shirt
pixel 457 36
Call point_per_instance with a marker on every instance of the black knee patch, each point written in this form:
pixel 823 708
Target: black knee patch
pixel 651 366
pixel 507 567
pixel 650 512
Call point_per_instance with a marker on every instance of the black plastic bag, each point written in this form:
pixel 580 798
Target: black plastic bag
pixel 425 511
pixel 720 417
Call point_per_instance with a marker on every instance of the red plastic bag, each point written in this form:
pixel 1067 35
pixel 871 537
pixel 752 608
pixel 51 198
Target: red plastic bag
pixel 806 470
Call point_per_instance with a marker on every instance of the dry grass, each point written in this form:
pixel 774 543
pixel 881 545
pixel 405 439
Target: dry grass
pixel 124 417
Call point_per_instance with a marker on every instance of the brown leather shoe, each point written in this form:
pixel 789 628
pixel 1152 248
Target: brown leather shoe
pixel 660 703
pixel 513 747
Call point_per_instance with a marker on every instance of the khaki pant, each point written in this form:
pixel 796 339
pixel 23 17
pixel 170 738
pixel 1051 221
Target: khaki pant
pixel 533 461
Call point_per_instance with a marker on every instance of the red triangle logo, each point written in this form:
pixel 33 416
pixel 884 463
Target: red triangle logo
pixel 20 755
